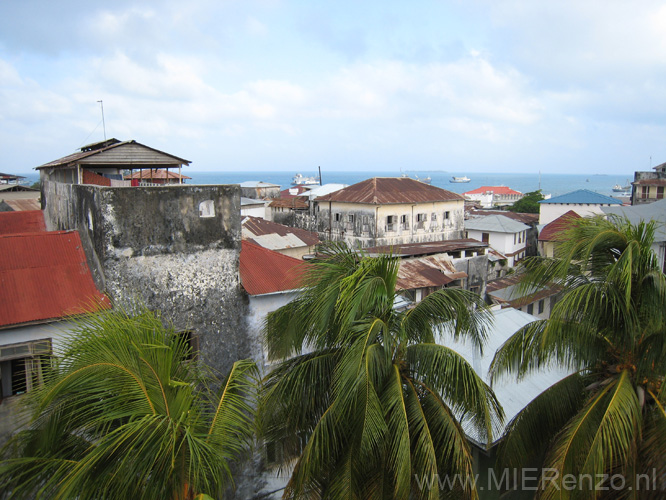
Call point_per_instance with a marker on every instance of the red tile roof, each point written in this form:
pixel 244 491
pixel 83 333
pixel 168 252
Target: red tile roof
pixel 390 190
pixel 265 271
pixel 551 230
pixel 45 276
pixel 493 189
pixel 24 221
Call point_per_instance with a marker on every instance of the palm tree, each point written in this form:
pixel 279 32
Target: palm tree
pixel 609 330
pixel 127 413
pixel 364 403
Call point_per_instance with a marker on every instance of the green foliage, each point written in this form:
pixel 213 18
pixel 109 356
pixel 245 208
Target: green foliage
pixel 528 204
pixel 126 414
pixel 609 329
pixel 36 185
pixel 363 399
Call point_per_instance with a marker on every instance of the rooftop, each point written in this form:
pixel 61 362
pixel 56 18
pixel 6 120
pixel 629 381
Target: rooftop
pixel 550 231
pixel 496 224
pixel 645 212
pixel 517 216
pixel 45 276
pixel 583 196
pixel 276 236
pixel 264 271
pixel 435 270
pixel 136 155
pixel 156 173
pixel 429 248
pixel 258 184
pixel 24 221
pixel 493 189
pixel 391 190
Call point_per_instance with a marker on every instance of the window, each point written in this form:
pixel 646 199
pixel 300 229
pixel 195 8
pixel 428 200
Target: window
pixel 514 238
pixel 22 366
pixel 447 215
pixel 350 218
pixel 660 192
pixel 433 216
pixel 485 237
pixel 365 219
pixel 541 306
pixel 390 222
pixel 404 221
pixel 421 217
pixel 645 192
pixel 337 217
pixel 207 209
pixel 530 309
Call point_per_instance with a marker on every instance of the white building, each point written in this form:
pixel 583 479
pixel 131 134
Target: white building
pixel 583 201
pixel 389 211
pixel 494 196
pixel 507 236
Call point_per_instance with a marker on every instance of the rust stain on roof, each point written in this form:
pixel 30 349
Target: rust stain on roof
pixel 290 236
pixel 45 276
pixel 391 190
pixel 427 272
pixel 429 248
pixel 552 230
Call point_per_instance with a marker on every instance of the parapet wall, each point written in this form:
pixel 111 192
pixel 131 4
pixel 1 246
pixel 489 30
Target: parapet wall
pixel 174 249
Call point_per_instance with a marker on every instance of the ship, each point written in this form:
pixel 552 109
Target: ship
pixel 460 180
pixel 621 189
pixel 301 180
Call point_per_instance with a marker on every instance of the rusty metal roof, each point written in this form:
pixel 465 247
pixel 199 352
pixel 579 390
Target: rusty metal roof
pixel 86 152
pixel 428 248
pixel 436 270
pixel 550 231
pixel 44 276
pixel 22 205
pixel 276 236
pixel 24 221
pixel 264 271
pixel 391 190
pixel 650 182
pixel 296 202
pixel 156 173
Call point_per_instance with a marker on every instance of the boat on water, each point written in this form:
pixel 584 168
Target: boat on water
pixel 425 180
pixel 460 180
pixel 621 189
pixel 301 180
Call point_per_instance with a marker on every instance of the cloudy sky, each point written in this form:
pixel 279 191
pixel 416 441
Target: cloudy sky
pixel 572 86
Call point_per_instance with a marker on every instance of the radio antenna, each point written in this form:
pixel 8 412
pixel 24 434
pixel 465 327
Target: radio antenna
pixel 101 105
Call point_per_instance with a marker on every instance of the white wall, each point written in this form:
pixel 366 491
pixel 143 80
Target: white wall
pixel 548 212
pixel 503 242
pixel 255 211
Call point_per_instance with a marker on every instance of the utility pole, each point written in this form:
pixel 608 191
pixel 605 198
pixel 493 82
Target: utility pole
pixel 101 104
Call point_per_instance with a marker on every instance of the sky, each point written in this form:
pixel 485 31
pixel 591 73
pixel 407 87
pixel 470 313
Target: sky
pixel 572 86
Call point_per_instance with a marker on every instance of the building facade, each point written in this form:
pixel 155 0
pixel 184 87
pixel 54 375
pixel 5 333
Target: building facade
pixel 389 211
pixel 649 187
pixel 507 236
pixel 583 201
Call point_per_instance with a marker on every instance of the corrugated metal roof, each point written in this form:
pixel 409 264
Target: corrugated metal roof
pixel 24 221
pixel 650 182
pixel 156 173
pixel 296 202
pixel 45 276
pixel 655 211
pixel 513 395
pixel 17 187
pixel 264 271
pixel 584 196
pixel 23 205
pixel 496 224
pixel 276 236
pixel 550 231
pixel 75 158
pixel 428 248
pixel 436 270
pixel 519 216
pixel 493 189
pixel 391 190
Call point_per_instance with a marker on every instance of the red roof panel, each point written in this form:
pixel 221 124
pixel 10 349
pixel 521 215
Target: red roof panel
pixel 265 271
pixel 562 223
pixel 24 221
pixel 493 189
pixel 45 276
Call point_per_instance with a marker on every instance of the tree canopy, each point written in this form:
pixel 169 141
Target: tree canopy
pixel 528 204
pixel 609 329
pixel 126 413
pixel 363 401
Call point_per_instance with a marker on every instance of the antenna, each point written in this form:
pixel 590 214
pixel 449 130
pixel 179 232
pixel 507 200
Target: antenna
pixel 101 104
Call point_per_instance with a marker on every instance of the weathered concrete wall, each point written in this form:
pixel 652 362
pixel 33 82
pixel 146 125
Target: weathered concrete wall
pixel 477 272
pixel 154 247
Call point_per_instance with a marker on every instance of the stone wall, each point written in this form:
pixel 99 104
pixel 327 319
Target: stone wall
pixel 173 248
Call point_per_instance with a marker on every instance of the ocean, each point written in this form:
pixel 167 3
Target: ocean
pixel 553 184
